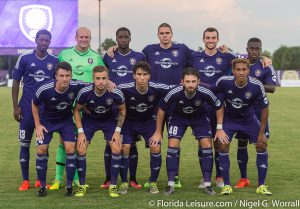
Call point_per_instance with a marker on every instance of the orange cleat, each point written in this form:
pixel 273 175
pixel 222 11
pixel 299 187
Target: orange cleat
pixel 243 182
pixel 135 185
pixel 25 186
pixel 105 185
pixel 37 184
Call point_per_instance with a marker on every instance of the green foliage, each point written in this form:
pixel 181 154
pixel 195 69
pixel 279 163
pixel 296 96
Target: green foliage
pixel 287 58
pixel 266 54
pixel 108 42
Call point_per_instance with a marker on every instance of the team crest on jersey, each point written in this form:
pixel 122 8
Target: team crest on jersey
pixel 248 95
pixel 175 53
pixel 197 102
pixel 71 95
pixel 132 61
pixel 109 101
pixel 257 72
pixel 49 66
pixel 90 61
pixel 151 98
pixel 219 60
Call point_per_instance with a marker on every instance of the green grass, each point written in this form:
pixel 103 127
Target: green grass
pixel 284 167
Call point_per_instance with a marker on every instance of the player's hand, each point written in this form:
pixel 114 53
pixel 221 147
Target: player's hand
pixel 266 62
pixel 262 139
pixel 223 48
pixel 111 86
pixel 221 136
pixel 111 51
pixel 81 141
pixel 155 139
pixel 117 139
pixel 18 114
pixel 39 131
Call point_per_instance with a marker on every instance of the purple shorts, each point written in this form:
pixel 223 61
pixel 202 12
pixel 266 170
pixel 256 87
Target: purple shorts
pixel 26 128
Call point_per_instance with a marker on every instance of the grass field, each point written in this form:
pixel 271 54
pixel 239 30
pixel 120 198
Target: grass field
pixel 284 168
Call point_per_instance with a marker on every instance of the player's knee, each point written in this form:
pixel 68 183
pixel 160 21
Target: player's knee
pixel 224 148
pixel 82 150
pixel 155 150
pixel 125 149
pixel 42 149
pixel 205 143
pixel 261 147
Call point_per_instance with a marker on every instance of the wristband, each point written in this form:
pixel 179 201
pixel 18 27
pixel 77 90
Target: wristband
pixel 118 129
pixel 219 126
pixel 80 130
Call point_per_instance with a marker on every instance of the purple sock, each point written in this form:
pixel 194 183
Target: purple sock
pixel 224 167
pixel 41 167
pixel 262 166
pixel 172 163
pixel 24 161
pixel 107 161
pixel 242 158
pixel 217 164
pixel 200 156
pixel 207 163
pixel 70 168
pixel 155 164
pixel 124 168
pixel 133 161
pixel 178 161
pixel 115 167
pixel 81 168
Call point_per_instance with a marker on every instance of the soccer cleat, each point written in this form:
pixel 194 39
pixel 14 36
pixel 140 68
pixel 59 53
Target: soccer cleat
pixel 262 189
pixel 219 182
pixel 56 184
pixel 123 188
pixel 169 190
pixel 105 185
pixel 177 183
pixel 42 192
pixel 25 186
pixel 209 190
pixel 112 190
pixel 201 185
pixel 81 190
pixel 69 191
pixel 226 190
pixel 243 182
pixel 135 184
pixel 37 184
pixel 153 188
pixel 147 184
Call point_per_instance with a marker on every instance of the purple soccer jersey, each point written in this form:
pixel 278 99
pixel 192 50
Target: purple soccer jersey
pixel 167 64
pixel 34 71
pixel 120 67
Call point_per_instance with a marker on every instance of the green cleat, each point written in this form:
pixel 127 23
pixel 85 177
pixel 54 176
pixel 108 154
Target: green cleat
pixel 123 188
pixel 177 183
pixel 153 188
pixel 226 190
pixel 112 190
pixel 81 190
pixel 262 189
pixel 56 184
pixel 147 184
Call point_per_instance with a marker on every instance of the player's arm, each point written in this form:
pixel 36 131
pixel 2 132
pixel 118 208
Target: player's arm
pixel 15 96
pixel 157 136
pixel 266 62
pixel 220 134
pixel 263 125
pixel 270 88
pixel 81 139
pixel 39 128
pixel 111 51
pixel 121 117
pixel 270 80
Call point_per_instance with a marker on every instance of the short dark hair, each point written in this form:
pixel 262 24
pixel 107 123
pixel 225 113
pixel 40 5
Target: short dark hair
pixel 164 25
pixel 210 29
pixel 43 31
pixel 63 65
pixel 123 29
pixel 100 69
pixel 190 71
pixel 143 65
pixel 240 60
pixel 254 39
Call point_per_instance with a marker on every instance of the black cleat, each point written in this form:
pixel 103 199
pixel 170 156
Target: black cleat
pixel 42 192
pixel 209 190
pixel 169 190
pixel 69 191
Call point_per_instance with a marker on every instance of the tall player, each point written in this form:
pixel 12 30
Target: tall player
pixel 120 71
pixel 267 76
pixel 57 97
pixel 83 60
pixel 240 93
pixel 34 68
pixel 99 115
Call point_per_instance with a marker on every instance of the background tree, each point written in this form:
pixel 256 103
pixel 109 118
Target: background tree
pixel 106 44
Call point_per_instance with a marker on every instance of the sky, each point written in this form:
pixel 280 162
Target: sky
pixel 275 22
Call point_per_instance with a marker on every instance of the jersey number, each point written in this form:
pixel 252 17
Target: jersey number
pixel 173 130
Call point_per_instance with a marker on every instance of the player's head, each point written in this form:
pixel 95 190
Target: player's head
pixel 100 77
pixel 43 40
pixel 210 38
pixel 141 73
pixel 123 38
pixel 83 38
pixel 165 33
pixel 63 74
pixel 241 70
pixel 254 48
pixel 190 80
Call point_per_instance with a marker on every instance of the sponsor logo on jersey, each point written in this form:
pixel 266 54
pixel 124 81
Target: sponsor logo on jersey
pixel 132 98
pixel 100 110
pixel 122 70
pixel 132 61
pixel 53 99
pixel 114 60
pixel 39 75
pixel 188 110
pixel 230 92
pixel 201 60
pixel 237 103
pixel 141 107
pixel 181 102
pixel 92 102
pixel 33 64
pixel 209 70
pixel 157 53
pixel 62 106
